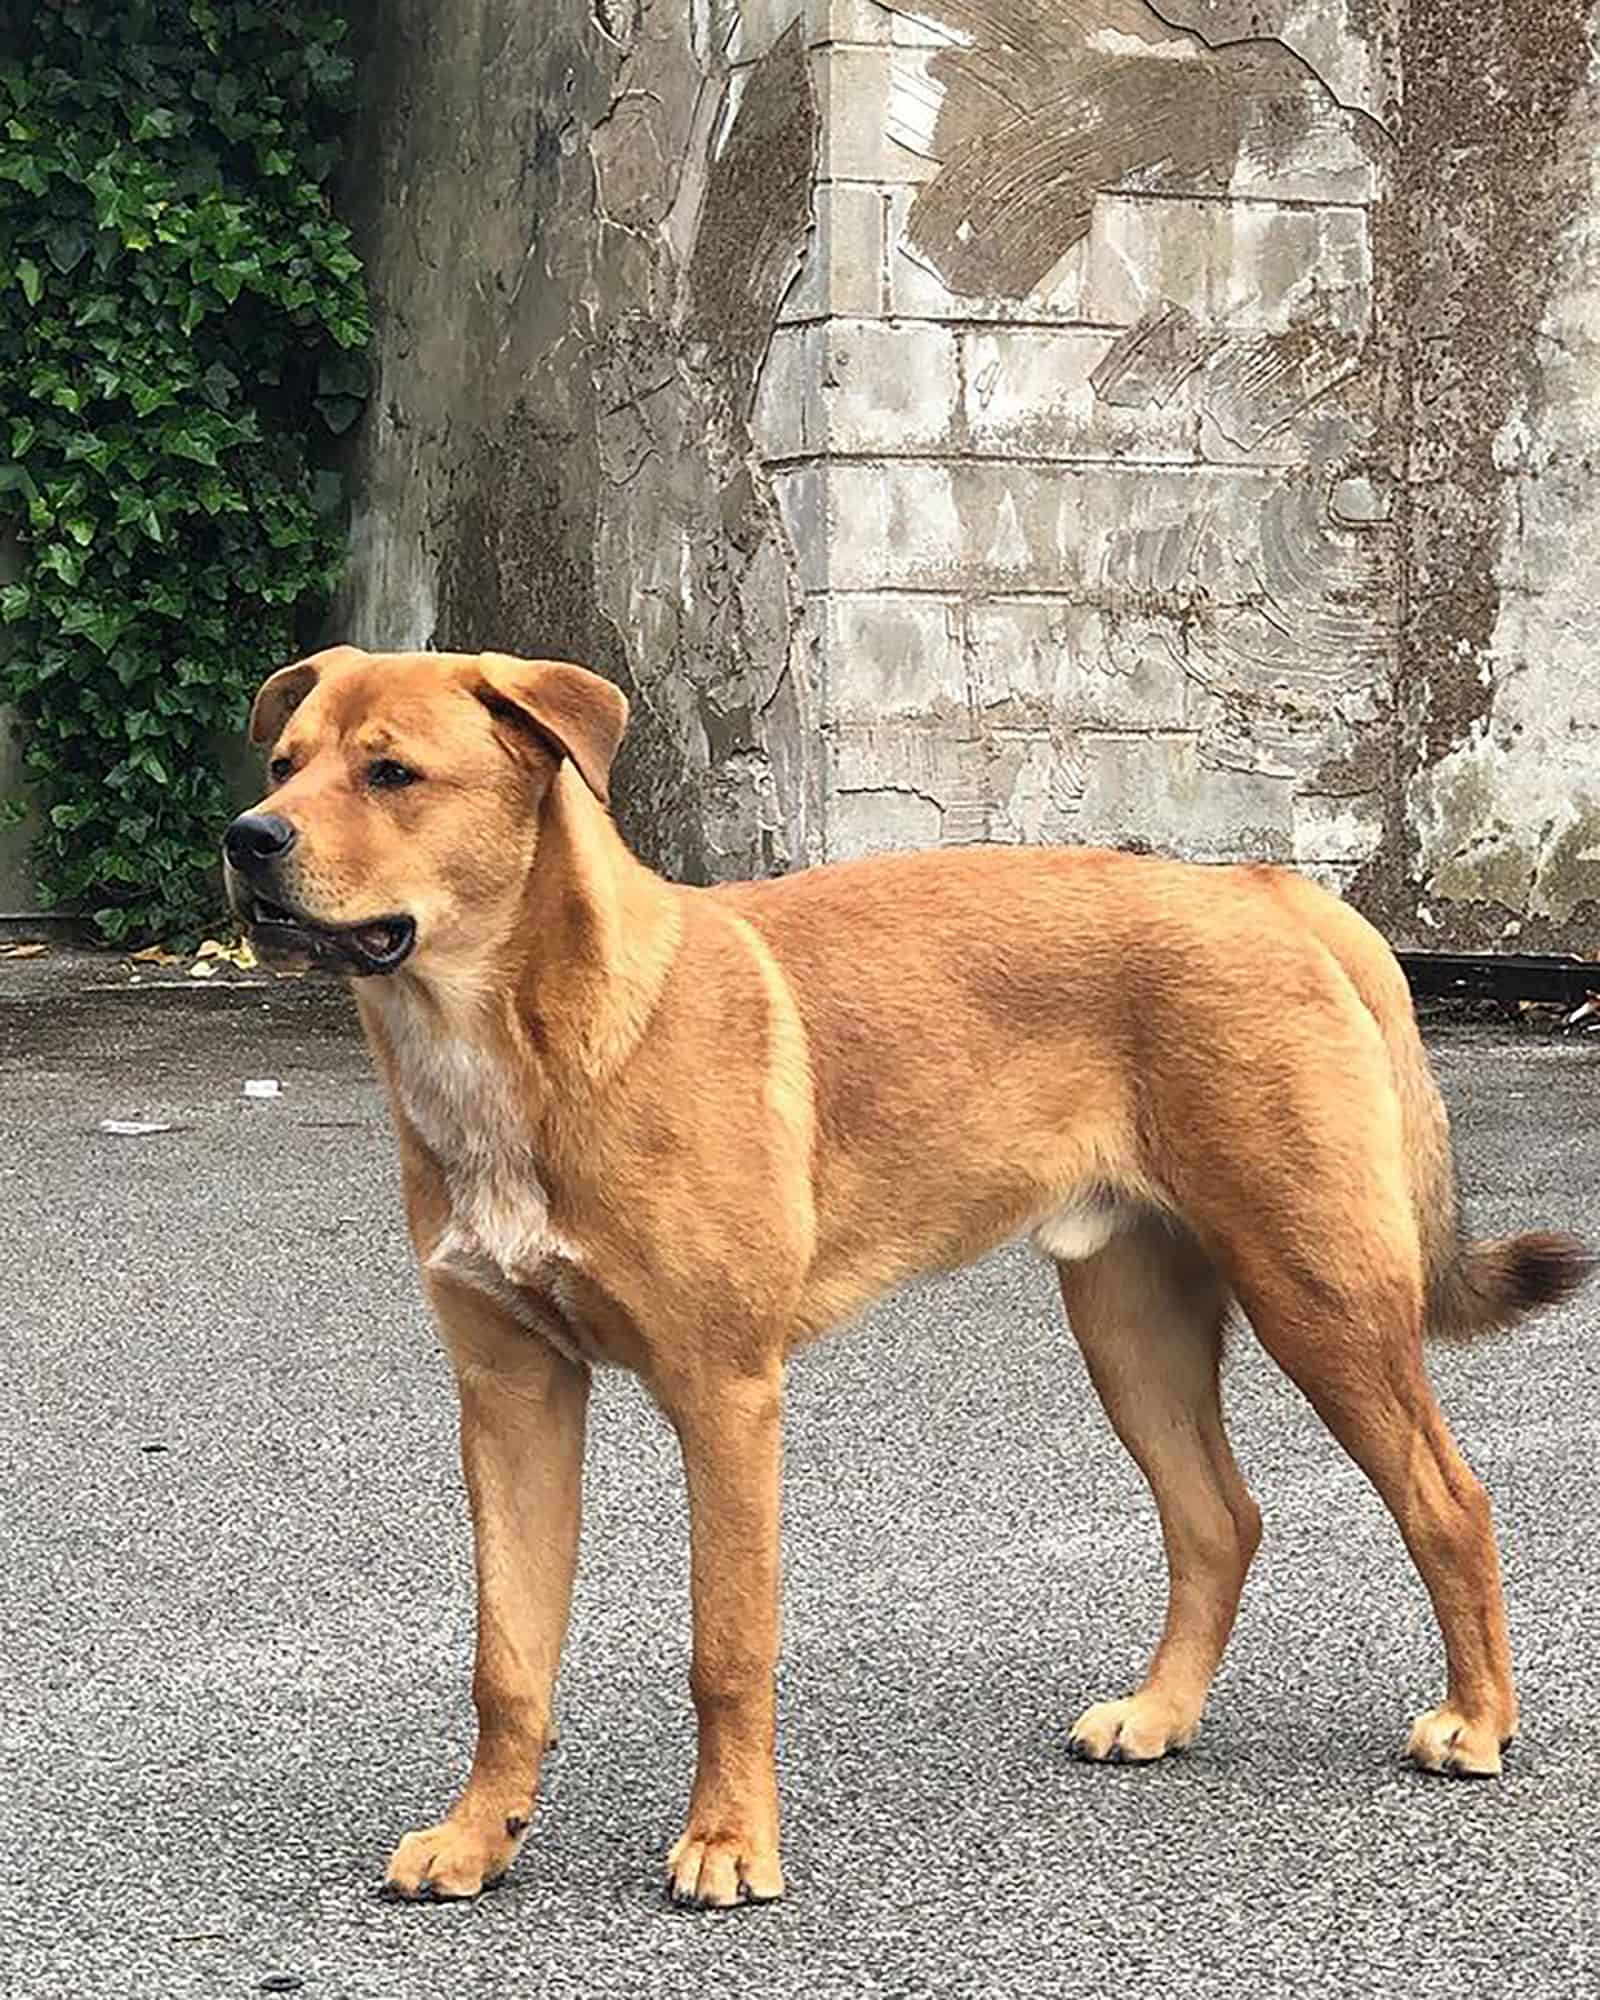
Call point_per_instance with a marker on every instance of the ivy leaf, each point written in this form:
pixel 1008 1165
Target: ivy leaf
pixel 156 123
pixel 218 384
pixel 63 562
pixel 102 625
pixel 67 245
pixel 24 169
pixel 191 445
pixel 339 412
pixel 96 311
pixel 344 375
pixel 31 279
pixel 90 449
pixel 149 396
pixel 18 479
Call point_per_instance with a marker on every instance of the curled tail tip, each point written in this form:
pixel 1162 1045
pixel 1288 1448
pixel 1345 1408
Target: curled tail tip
pixel 1544 1267
pixel 1495 1284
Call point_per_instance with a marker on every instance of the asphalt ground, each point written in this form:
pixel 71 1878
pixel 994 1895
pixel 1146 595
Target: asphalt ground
pixel 237 1614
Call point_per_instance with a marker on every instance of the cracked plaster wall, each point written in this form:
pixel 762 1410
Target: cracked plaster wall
pixel 1077 411
pixel 1496 267
pixel 579 221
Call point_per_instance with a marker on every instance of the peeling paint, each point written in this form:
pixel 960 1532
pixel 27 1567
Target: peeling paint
pixel 1154 358
pixel 1253 387
pixel 1045 106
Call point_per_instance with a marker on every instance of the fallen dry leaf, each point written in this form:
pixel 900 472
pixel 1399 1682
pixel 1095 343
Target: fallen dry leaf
pixel 154 954
pixel 203 969
pixel 24 951
pixel 239 954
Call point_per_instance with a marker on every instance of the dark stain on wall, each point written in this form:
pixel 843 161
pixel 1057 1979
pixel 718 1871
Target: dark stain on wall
pixel 519 577
pixel 757 212
pixel 1464 246
pixel 559 462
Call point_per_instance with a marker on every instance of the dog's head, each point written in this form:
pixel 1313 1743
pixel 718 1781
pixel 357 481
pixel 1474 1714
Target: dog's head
pixel 405 798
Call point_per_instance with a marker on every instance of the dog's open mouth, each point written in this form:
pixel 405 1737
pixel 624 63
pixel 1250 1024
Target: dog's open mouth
pixel 383 945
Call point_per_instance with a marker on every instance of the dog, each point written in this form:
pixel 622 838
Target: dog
pixel 686 1130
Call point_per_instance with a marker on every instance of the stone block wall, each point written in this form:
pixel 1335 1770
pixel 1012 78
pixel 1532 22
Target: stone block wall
pixel 1075 407
pixel 1158 417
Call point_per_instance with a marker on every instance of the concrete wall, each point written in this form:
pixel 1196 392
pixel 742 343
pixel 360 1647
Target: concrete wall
pixel 1015 419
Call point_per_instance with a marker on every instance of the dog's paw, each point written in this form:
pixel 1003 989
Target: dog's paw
pixel 1446 1741
pixel 715 1871
pixel 1136 1730
pixel 451 1861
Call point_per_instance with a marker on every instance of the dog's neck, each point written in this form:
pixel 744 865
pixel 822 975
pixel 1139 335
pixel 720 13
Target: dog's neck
pixel 596 935
pixel 557 1001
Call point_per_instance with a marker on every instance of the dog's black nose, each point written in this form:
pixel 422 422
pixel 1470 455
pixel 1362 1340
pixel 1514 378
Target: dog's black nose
pixel 254 839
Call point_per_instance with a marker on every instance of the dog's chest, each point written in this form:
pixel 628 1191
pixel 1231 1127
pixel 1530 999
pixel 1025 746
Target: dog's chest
pixel 499 1237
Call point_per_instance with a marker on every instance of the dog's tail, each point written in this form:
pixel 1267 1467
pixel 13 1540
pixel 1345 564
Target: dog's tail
pixel 1488 1287
pixel 1472 1289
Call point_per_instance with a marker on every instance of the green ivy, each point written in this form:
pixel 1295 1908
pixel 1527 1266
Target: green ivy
pixel 182 327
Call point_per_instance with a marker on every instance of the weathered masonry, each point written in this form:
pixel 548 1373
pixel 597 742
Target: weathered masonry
pixel 1017 419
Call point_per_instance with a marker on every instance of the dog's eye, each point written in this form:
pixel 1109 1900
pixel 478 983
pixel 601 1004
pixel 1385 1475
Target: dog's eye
pixel 280 770
pixel 388 776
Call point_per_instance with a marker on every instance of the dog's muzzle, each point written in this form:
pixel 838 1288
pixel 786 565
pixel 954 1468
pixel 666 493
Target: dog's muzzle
pixel 253 846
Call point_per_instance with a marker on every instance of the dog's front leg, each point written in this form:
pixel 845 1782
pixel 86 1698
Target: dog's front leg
pixel 523 1407
pixel 730 1431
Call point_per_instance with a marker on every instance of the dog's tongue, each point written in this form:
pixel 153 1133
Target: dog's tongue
pixel 376 939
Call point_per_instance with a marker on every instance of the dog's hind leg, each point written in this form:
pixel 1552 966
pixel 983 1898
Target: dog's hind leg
pixel 1148 1311
pixel 1354 1348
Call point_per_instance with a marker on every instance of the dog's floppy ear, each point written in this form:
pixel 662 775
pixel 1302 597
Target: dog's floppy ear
pixel 573 712
pixel 280 695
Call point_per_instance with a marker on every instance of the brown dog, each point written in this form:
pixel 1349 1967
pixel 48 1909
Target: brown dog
pixel 683 1131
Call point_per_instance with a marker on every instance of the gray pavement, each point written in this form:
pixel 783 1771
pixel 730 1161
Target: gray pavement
pixel 237 1612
